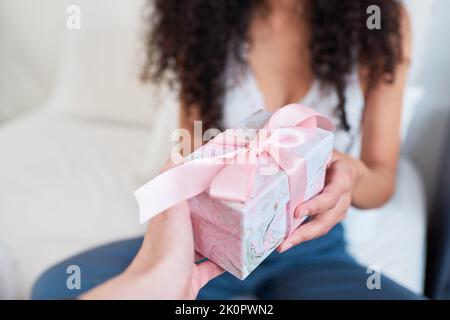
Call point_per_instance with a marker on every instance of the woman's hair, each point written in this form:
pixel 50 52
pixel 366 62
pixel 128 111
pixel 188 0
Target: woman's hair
pixel 190 41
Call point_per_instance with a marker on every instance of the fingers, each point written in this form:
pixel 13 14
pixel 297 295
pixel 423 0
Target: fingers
pixel 324 201
pixel 208 270
pixel 327 208
pixel 337 182
pixel 320 225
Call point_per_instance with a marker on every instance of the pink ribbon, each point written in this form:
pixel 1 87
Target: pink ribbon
pixel 232 180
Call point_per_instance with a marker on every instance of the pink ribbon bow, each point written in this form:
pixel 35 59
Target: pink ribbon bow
pixel 225 176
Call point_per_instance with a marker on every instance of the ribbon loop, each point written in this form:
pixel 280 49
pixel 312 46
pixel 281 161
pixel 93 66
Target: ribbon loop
pixel 230 175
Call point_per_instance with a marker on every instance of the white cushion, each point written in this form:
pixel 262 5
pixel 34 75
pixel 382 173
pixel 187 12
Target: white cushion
pixel 8 286
pixel 393 237
pixel 66 184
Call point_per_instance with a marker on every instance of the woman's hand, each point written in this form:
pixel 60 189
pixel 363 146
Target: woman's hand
pixel 330 206
pixel 164 267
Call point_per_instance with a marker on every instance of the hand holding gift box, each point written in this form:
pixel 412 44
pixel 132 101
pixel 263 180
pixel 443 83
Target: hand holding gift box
pixel 244 185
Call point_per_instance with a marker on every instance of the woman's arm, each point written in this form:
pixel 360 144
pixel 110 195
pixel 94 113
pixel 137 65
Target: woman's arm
pixel 376 170
pixel 367 182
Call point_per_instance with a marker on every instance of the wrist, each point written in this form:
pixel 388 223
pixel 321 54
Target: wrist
pixel 355 167
pixel 358 169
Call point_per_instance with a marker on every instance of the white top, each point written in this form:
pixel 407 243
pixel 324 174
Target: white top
pixel 243 97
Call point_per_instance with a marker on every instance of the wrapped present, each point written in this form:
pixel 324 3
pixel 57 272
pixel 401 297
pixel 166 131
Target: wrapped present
pixel 244 185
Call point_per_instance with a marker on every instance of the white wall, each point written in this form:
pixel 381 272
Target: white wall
pixel 430 69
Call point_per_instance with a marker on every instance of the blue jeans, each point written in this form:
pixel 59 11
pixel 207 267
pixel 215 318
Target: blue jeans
pixel 317 269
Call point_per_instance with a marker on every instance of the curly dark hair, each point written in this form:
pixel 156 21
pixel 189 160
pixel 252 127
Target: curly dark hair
pixel 191 39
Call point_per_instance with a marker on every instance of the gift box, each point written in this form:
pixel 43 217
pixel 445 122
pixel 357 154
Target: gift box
pixel 244 185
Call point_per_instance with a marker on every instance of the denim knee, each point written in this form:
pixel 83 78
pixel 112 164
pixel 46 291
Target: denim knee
pixel 52 284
